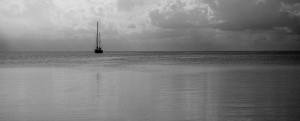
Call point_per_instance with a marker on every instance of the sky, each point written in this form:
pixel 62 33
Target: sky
pixel 150 25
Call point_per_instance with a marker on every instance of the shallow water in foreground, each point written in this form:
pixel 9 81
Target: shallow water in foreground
pixel 149 86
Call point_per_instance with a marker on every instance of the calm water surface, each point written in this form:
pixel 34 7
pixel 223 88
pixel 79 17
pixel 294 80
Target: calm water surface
pixel 149 86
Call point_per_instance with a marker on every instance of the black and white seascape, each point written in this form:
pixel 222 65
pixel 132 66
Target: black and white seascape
pixel 149 60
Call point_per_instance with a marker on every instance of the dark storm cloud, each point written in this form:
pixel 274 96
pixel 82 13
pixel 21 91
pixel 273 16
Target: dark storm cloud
pixel 232 15
pixel 239 15
pixel 240 24
pixel 213 40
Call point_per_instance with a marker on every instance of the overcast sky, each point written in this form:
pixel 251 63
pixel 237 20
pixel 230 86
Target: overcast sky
pixel 150 25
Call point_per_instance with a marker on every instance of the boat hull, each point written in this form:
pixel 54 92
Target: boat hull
pixel 98 51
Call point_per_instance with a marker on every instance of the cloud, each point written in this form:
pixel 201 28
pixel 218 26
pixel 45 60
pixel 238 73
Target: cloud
pixel 131 26
pixel 150 25
pixel 292 10
pixel 13 6
pixel 175 14
pixel 227 15
pixel 240 15
pixel 208 39
pixel 3 44
pixel 127 5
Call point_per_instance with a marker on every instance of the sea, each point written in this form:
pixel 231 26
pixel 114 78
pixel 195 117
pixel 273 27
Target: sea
pixel 150 86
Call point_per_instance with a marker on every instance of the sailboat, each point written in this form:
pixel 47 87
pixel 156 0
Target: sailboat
pixel 98 42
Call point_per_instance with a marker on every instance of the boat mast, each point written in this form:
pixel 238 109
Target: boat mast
pixel 97 38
